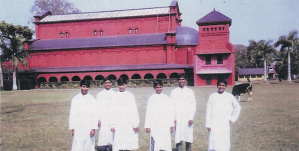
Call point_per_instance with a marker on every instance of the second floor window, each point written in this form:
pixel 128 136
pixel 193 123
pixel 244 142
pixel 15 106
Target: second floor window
pixel 67 34
pixel 130 31
pixel 101 32
pixel 220 59
pixel 61 35
pixel 208 59
pixel 95 33
pixel 136 30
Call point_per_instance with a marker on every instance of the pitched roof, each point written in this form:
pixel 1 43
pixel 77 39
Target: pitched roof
pixel 251 71
pixel 214 18
pixel 94 42
pixel 107 14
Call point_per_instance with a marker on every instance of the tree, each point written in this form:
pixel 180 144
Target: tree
pixel 260 50
pixel 12 44
pixel 288 44
pixel 57 7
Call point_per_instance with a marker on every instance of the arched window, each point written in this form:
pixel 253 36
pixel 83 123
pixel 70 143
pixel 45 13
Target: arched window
pixel 99 77
pixel 88 78
pixel 67 34
pixel 95 33
pixel 174 75
pixel 76 78
pixel 148 76
pixel 101 32
pixel 136 76
pixel 41 79
pixel 112 77
pixel 136 30
pixel 53 79
pixel 161 76
pixel 61 35
pixel 124 76
pixel 130 31
pixel 64 78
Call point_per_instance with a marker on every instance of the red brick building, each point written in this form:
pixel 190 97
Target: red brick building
pixel 144 43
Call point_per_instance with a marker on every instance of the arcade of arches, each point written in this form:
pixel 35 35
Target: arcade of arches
pixel 66 78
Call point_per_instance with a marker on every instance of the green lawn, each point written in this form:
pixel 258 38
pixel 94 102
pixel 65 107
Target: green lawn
pixel 38 119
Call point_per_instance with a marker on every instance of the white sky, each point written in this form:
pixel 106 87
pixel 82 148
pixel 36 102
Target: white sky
pixel 251 19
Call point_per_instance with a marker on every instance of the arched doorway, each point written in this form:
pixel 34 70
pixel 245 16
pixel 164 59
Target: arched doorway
pixel 53 79
pixel 161 76
pixel 76 78
pixel 124 76
pixel 64 78
pixel 99 77
pixel 148 76
pixel 174 75
pixel 136 76
pixel 88 77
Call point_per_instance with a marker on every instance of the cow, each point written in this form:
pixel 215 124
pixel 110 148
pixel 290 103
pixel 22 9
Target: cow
pixel 242 88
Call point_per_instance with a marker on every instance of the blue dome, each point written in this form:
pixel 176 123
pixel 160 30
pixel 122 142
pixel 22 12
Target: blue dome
pixel 186 36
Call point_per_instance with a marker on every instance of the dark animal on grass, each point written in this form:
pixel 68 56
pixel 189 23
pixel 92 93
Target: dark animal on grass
pixel 242 88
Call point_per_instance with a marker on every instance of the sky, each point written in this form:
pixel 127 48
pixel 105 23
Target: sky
pixel 251 19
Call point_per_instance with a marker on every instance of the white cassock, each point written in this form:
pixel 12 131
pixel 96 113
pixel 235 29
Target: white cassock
pixel 183 100
pixel 159 118
pixel 105 100
pixel 221 109
pixel 83 119
pixel 125 118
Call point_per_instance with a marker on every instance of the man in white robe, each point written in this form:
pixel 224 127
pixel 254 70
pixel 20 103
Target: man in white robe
pixel 222 110
pixel 82 119
pixel 159 119
pixel 125 119
pixel 183 100
pixel 105 100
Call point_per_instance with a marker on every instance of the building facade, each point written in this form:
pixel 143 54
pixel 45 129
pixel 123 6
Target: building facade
pixel 147 43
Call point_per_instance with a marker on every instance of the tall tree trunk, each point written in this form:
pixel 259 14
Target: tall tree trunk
pixel 265 71
pixel 289 66
pixel 14 80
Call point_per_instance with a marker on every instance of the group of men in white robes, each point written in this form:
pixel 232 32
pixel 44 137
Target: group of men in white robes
pixel 116 116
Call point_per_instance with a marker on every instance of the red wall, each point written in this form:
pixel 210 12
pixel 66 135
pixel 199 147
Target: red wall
pixel 111 27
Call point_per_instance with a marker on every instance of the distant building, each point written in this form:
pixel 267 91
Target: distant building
pixel 147 43
pixel 252 74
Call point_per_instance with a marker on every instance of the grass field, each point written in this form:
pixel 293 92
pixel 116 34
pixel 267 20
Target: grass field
pixel 38 119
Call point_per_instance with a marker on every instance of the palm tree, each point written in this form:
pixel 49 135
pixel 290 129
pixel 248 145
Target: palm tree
pixel 261 49
pixel 11 43
pixel 288 44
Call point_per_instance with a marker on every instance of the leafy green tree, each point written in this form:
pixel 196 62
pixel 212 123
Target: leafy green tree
pixel 288 44
pixel 57 7
pixel 261 50
pixel 12 44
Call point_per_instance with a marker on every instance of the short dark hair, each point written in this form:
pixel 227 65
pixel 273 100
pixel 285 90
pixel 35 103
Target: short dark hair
pixel 181 75
pixel 106 79
pixel 85 82
pixel 121 81
pixel 156 82
pixel 221 81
